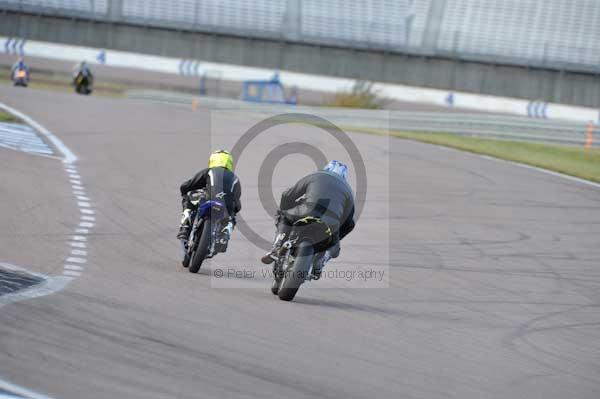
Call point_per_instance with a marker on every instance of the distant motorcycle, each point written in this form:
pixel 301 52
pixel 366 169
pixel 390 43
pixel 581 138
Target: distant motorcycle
pixel 20 77
pixel 84 82
pixel 297 256
pixel 208 235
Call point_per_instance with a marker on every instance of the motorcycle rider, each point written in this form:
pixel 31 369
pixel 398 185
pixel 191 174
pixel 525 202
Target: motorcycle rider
pixel 19 65
pixel 82 71
pixel 220 183
pixel 326 195
pixel 82 68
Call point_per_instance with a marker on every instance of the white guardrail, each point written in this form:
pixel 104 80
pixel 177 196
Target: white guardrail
pixel 469 124
pixel 534 110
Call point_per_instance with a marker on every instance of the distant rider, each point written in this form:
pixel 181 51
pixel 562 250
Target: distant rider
pixel 326 195
pixel 220 183
pixel 19 65
pixel 82 68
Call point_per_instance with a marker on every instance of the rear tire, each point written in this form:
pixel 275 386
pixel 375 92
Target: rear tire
pixel 293 279
pixel 275 286
pixel 201 250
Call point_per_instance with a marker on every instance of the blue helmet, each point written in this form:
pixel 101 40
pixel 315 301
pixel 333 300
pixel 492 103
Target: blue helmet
pixel 337 168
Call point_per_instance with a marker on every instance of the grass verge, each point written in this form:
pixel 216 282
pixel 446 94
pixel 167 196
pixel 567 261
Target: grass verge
pixel 4 117
pixel 575 161
pixel 362 95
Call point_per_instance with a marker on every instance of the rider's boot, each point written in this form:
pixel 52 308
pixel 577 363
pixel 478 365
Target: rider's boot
pixel 271 256
pixel 283 229
pixel 185 227
pixel 319 265
pixel 184 232
pixel 224 237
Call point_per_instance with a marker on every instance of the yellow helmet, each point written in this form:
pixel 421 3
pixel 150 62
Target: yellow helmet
pixel 221 159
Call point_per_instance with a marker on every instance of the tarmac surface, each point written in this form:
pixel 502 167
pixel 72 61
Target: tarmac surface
pixel 490 288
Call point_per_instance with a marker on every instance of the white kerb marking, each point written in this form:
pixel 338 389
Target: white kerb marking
pixel 73 267
pixel 26 393
pixel 73 259
pixel 69 157
pixel 49 286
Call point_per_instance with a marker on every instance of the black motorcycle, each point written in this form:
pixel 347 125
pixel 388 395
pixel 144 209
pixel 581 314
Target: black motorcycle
pixel 84 82
pixel 209 235
pixel 298 255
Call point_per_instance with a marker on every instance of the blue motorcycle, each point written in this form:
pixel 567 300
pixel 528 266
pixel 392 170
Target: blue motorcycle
pixel 209 235
pixel 20 77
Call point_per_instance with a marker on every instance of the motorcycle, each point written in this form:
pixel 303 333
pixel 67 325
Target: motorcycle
pixel 209 234
pixel 83 83
pixel 20 77
pixel 298 255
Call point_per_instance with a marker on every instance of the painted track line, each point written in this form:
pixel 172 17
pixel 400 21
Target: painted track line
pixel 75 263
pixel 69 157
pixel 22 392
pixel 549 172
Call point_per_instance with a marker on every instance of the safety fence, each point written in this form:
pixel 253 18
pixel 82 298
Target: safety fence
pixel 469 124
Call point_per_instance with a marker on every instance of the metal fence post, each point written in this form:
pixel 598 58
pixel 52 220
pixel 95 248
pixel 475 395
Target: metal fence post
pixel 291 24
pixel 115 10
pixel 433 25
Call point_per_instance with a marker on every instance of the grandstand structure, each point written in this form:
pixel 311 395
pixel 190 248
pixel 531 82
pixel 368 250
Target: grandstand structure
pixel 538 31
pixel 550 33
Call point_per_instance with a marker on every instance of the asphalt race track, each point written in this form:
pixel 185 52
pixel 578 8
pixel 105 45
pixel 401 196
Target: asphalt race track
pixel 491 288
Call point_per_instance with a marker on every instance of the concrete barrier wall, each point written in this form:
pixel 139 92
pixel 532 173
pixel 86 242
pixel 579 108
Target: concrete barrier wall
pixel 329 84
pixel 448 74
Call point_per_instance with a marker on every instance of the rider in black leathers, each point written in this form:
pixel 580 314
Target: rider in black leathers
pixel 221 185
pixel 325 195
pixel 82 68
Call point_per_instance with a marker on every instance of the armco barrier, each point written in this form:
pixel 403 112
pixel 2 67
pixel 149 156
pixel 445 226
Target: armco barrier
pixel 471 124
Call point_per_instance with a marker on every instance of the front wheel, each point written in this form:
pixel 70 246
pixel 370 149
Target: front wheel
pixel 201 249
pixel 186 260
pixel 295 276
